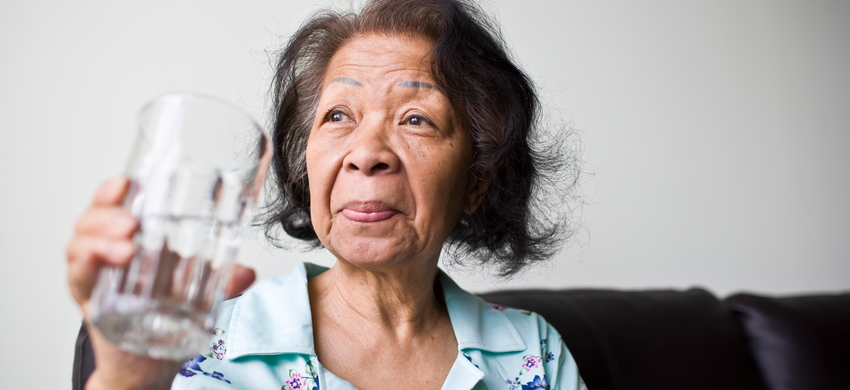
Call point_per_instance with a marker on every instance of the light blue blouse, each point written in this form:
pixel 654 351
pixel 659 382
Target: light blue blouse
pixel 264 340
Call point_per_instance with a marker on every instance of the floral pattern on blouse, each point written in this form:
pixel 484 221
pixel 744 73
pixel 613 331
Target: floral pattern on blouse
pixel 217 350
pixel 529 363
pixel 537 383
pixel 502 308
pixel 544 347
pixel 302 382
pixel 533 361
pixel 192 366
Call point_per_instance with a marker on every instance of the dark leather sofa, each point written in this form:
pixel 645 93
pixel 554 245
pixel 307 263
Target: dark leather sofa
pixel 680 339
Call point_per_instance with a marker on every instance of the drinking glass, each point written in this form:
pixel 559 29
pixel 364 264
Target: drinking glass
pixel 196 169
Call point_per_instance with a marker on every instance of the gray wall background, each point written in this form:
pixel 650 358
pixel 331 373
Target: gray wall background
pixel 717 131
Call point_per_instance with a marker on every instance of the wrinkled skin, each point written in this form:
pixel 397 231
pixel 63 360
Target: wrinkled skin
pixel 387 156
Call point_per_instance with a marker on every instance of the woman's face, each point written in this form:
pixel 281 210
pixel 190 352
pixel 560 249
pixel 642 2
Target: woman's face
pixel 387 156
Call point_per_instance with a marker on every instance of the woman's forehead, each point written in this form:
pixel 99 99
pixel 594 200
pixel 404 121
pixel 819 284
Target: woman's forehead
pixel 381 58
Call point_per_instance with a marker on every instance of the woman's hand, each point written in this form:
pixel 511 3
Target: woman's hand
pixel 104 237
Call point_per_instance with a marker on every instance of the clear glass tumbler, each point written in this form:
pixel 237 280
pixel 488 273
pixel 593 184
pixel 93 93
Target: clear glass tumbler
pixel 196 170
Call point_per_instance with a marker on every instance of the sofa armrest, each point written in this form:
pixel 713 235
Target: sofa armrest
pixel 798 342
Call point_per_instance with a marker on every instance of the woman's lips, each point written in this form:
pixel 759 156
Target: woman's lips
pixel 367 212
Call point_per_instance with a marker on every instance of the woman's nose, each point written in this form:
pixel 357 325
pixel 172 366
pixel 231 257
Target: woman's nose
pixel 371 153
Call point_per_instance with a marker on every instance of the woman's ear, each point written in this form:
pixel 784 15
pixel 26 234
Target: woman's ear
pixel 477 191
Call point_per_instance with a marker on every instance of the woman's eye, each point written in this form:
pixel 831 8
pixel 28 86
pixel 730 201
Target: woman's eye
pixel 416 121
pixel 338 117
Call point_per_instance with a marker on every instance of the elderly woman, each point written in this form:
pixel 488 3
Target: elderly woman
pixel 400 131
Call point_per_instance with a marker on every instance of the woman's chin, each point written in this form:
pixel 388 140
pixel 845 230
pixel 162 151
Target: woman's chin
pixel 374 253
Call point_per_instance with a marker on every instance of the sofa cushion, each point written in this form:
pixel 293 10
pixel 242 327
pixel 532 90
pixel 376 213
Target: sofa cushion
pixel 800 342
pixel 645 339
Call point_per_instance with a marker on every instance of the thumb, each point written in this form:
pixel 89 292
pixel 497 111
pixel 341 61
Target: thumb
pixel 240 279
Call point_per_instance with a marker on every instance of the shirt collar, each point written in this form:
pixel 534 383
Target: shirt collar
pixel 478 325
pixel 274 317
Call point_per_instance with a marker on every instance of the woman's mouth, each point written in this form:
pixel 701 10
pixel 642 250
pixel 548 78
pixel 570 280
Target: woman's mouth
pixel 367 211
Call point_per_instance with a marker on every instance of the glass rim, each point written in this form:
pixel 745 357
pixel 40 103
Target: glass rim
pixel 263 162
pixel 192 95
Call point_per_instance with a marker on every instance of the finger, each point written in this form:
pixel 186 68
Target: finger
pixel 240 279
pixel 111 192
pixel 93 248
pixel 112 222
pixel 86 255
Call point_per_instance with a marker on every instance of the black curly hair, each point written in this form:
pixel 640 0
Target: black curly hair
pixel 514 225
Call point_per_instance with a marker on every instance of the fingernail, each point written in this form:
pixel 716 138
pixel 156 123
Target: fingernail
pixel 114 183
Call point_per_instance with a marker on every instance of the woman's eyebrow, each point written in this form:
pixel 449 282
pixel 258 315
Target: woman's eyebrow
pixel 415 84
pixel 347 80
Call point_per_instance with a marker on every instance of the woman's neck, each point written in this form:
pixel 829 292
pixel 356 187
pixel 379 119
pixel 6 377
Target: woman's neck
pixel 401 299
pixel 393 316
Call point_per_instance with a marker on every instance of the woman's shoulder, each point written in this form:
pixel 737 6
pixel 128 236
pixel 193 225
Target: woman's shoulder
pixel 527 322
pixel 545 363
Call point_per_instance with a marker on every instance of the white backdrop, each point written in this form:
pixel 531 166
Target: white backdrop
pixel 717 131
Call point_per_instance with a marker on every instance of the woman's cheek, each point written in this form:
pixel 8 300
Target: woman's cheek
pixel 317 177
